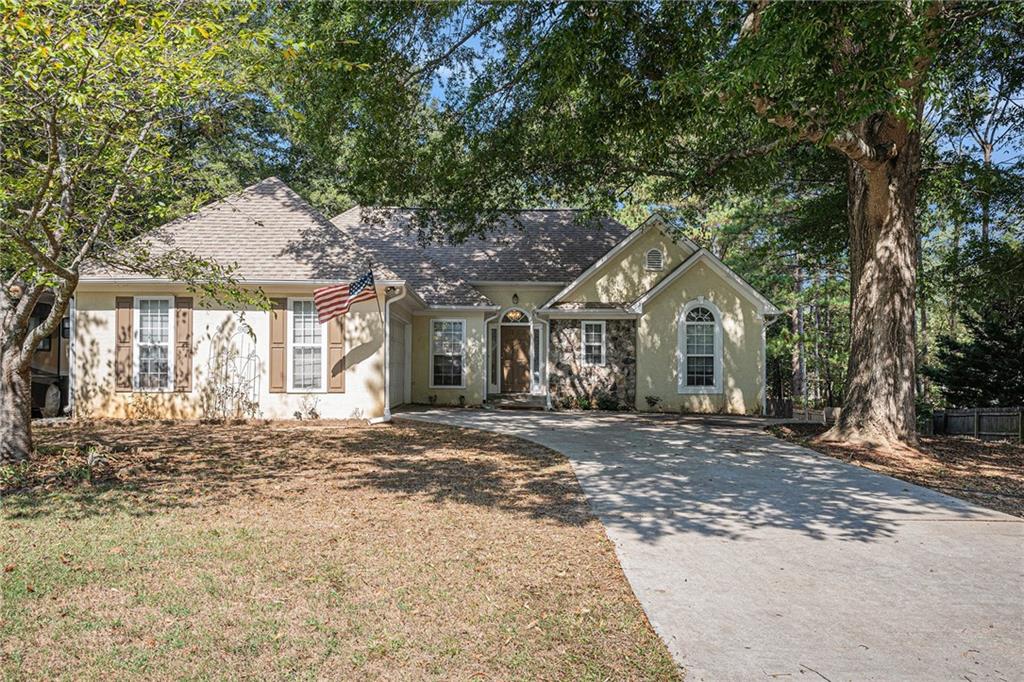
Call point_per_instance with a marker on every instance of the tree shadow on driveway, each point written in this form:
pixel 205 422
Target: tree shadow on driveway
pixel 657 476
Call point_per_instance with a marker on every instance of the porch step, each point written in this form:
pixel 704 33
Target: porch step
pixel 515 401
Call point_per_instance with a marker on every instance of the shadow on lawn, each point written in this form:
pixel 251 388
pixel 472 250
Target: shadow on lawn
pixel 158 466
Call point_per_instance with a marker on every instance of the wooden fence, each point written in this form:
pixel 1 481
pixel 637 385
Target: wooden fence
pixel 984 422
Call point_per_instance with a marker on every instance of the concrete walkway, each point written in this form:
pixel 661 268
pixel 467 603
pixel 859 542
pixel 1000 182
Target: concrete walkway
pixel 758 559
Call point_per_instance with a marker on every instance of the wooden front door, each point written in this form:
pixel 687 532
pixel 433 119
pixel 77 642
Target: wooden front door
pixel 515 359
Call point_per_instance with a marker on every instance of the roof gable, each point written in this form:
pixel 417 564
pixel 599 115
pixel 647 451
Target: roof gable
pixel 764 306
pixel 672 247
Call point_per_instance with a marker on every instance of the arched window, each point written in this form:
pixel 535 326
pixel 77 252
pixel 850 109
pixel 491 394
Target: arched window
pixel 515 316
pixel 655 260
pixel 700 348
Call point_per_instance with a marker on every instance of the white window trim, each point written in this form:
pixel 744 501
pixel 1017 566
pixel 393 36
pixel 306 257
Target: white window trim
pixel 681 349
pixel 583 344
pixel 171 340
pixel 537 354
pixel 661 260
pixel 290 351
pixel 463 356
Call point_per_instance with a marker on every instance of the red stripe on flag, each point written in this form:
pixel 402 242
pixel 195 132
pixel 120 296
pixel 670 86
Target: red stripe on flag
pixel 334 300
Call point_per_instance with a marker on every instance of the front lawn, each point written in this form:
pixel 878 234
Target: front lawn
pixel 990 474
pixel 309 550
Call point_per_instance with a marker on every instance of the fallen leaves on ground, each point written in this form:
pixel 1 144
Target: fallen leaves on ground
pixel 987 473
pixel 169 550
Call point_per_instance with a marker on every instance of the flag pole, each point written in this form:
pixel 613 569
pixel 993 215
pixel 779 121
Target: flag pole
pixel 369 265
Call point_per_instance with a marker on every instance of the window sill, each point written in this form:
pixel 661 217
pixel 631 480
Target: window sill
pixel 170 389
pixel 700 390
pixel 453 388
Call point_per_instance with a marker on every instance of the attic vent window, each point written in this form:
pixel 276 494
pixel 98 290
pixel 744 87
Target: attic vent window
pixel 655 260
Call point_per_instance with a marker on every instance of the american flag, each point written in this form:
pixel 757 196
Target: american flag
pixel 337 299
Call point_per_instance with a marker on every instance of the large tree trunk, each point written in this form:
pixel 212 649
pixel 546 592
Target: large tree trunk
pixel 879 402
pixel 15 411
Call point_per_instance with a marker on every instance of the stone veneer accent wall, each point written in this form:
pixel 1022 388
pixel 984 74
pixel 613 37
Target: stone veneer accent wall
pixel 569 380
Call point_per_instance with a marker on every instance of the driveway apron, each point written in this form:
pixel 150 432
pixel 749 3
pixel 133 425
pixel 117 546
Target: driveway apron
pixel 757 559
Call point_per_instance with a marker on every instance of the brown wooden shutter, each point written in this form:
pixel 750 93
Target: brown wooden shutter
pixel 336 355
pixel 278 351
pixel 123 344
pixel 183 344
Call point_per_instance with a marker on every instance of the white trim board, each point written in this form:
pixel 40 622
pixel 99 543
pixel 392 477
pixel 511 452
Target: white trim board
pixel 587 314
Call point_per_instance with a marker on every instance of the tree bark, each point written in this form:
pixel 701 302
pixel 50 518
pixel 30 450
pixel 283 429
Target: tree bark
pixel 879 402
pixel 15 411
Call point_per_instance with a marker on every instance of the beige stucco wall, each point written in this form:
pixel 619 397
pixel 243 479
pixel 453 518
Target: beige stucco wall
pixel 530 297
pixel 624 277
pixel 217 329
pixel 474 362
pixel 742 352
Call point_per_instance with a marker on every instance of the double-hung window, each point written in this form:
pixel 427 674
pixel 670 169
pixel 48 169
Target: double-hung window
pixel 447 353
pixel 154 361
pixel 700 350
pixel 307 347
pixel 593 346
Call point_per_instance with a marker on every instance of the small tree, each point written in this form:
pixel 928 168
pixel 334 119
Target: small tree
pixel 91 94
pixel 984 365
pixel 987 370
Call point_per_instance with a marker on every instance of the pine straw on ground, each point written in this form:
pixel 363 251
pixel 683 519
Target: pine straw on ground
pixel 270 550
pixel 987 473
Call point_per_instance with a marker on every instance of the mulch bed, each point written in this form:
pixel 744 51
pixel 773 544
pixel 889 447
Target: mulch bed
pixel 987 473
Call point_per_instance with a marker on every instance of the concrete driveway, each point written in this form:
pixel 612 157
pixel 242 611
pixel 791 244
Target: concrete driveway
pixel 758 559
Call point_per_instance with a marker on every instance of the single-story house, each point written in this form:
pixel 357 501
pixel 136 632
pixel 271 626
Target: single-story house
pixel 544 310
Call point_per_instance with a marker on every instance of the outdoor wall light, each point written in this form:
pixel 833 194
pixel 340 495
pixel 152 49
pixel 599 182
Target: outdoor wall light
pixel 515 299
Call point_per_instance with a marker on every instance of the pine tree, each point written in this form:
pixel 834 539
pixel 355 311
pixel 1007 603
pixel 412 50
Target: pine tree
pixel 988 369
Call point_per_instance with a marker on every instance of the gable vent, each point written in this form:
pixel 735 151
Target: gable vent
pixel 655 260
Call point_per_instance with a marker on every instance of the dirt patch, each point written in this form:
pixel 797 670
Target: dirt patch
pixel 987 473
pixel 298 549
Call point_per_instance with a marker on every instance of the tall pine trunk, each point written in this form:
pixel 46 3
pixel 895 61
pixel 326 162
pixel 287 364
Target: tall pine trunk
pixel 879 402
pixel 15 410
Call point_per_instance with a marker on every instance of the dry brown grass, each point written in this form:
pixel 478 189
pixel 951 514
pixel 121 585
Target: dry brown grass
pixel 310 551
pixel 990 474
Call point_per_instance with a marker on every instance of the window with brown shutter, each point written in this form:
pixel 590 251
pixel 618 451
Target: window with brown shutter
pixel 278 352
pixel 123 344
pixel 183 344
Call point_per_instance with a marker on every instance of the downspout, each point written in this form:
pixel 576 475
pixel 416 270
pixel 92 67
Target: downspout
pixel 387 352
pixel 72 345
pixel 487 355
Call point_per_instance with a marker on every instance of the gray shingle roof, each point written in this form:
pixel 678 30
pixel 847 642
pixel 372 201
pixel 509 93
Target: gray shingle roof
pixel 532 245
pixel 269 232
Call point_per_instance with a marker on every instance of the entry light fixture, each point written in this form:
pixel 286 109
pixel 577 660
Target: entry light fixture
pixel 515 299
